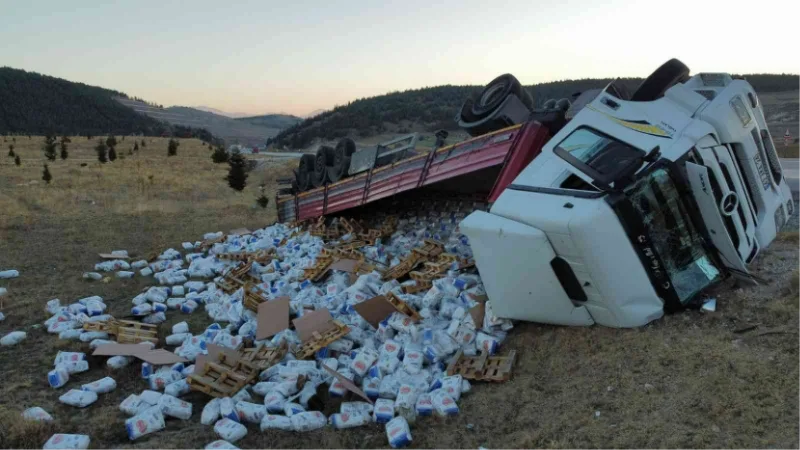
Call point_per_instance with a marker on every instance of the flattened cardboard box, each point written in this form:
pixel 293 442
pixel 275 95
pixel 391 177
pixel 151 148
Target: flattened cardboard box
pixel 375 309
pixel 273 317
pixel 318 321
pixel 347 384
pixel 155 357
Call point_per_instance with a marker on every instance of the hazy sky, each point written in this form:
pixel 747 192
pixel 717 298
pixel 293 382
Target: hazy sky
pixel 298 56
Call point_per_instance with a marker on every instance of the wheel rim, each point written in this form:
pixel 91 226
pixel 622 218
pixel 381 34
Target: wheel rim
pixel 492 94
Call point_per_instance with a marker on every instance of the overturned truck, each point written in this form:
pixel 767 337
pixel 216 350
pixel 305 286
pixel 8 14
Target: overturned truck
pixel 608 208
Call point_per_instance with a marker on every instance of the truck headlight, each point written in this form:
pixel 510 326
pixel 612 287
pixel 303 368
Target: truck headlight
pixel 738 107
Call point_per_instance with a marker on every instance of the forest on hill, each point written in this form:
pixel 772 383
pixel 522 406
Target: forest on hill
pixel 435 108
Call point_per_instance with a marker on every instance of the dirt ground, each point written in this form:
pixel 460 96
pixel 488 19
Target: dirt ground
pixel 688 380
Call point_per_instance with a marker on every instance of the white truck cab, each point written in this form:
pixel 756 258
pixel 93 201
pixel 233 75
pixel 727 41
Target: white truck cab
pixel 635 206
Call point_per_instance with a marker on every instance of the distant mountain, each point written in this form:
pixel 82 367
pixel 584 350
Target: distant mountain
pixel 316 112
pixel 233 131
pixel 434 108
pixel 220 112
pixel 37 104
pixel 279 121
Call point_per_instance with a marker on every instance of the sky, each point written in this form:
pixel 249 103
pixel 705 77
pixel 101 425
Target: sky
pixel 299 56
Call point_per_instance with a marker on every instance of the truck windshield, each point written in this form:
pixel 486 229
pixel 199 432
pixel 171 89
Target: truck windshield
pixel 590 149
pixel 682 250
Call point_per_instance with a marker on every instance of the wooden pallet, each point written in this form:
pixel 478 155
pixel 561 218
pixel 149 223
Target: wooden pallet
pixel 403 307
pixel 320 267
pixel 482 367
pixel 205 245
pixel 131 332
pixel 106 326
pixel 418 287
pixel 350 245
pixel 252 298
pixel 229 285
pixel 309 348
pixel 351 226
pixel 371 236
pixel 263 356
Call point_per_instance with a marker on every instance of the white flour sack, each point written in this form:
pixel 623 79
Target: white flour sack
pixel 67 441
pixel 146 422
pixel 229 430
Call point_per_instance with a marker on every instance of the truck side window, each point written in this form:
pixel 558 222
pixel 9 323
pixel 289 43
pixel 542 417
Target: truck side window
pixel 602 155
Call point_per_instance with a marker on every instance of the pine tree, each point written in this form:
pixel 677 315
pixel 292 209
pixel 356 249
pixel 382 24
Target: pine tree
pixel 50 147
pixel 100 148
pixel 237 176
pixel 46 175
pixel 64 141
pixel 144 144
pixel 172 147
pixel 11 150
pixel 220 155
pixel 111 141
pixel 136 146
pixel 112 154
pixel 17 161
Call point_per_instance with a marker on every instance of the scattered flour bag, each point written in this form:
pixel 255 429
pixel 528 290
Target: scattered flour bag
pixel 350 420
pixel 276 422
pixel 37 414
pixel 452 386
pixel 412 360
pixel 398 432
pixel 74 366
pixel 70 335
pixel 101 386
pixel 175 407
pixel 131 405
pixel 63 357
pixel 178 388
pixel 229 430
pixel 383 410
pixel 353 407
pixel 274 401
pixel 58 377
pixel 290 409
pixel 80 399
pixel 443 404
pixel 308 421
pixel 181 327
pixel 146 422
pixel 150 397
pixel 210 412
pixel 250 412
pixel 264 387
pixel 221 445
pixel 406 397
pixel 58 441
pixel 13 338
pixel 242 396
pixel 177 339
pixel 118 362
pixel 363 360
pixel 227 409
pixel 424 406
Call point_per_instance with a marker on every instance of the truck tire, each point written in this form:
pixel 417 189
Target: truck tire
pixel 496 91
pixel 341 159
pixel 303 179
pixel 306 163
pixel 653 87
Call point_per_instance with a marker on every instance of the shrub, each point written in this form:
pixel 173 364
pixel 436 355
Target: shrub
pixel 237 175
pixel 46 175
pixel 172 147
pixel 100 148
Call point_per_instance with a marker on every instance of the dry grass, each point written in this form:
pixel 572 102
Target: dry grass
pixel 709 384
pixel 147 181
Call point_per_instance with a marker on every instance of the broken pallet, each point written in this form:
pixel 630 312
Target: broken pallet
pixel 131 332
pixel 309 348
pixel 403 307
pixel 482 367
pixel 263 356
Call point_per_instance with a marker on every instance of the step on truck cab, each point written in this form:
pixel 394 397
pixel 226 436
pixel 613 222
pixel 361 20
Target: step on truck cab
pixel 636 205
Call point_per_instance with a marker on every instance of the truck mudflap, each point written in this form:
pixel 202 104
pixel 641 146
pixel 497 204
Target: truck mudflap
pixel 517 263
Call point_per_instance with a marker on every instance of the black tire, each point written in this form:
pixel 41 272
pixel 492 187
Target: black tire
pixel 303 180
pixel 496 92
pixel 653 87
pixel 466 114
pixel 306 163
pixel 319 179
pixel 339 171
pixel 347 146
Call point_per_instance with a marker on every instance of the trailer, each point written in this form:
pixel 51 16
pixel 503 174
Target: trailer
pixel 484 166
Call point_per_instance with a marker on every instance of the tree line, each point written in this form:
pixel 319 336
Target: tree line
pixel 436 107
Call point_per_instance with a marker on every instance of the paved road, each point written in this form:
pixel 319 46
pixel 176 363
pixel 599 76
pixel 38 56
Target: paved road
pixel 279 154
pixel 791 170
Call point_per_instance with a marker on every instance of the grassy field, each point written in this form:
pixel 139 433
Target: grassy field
pixel 689 380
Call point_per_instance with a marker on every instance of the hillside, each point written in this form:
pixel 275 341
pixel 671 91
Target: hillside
pixel 279 121
pixel 429 109
pixel 31 103
pixel 233 131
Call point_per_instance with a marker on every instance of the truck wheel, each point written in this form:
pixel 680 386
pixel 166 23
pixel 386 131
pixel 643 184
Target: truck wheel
pixel 339 170
pixel 306 163
pixel 496 91
pixel 347 146
pixel 319 179
pixel 303 180
pixel 653 87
